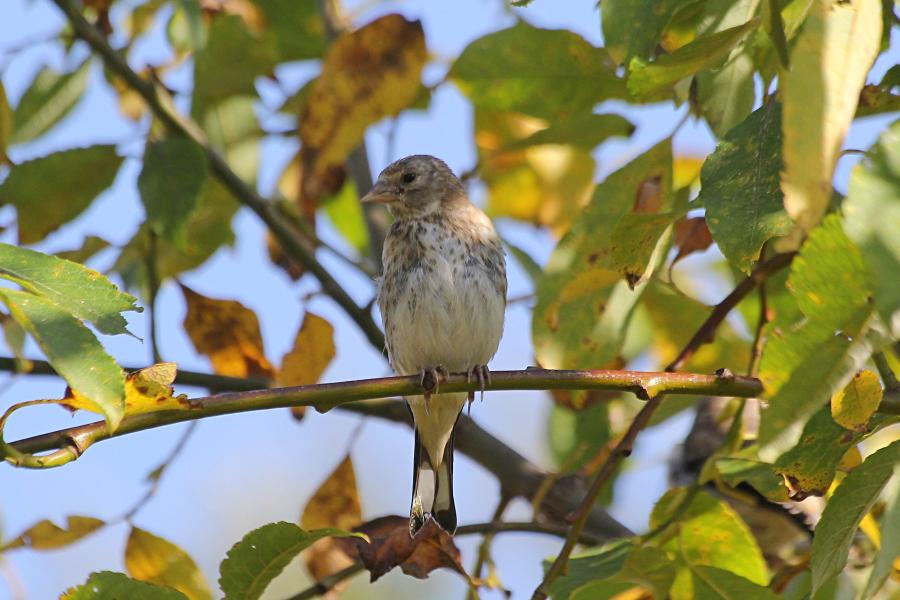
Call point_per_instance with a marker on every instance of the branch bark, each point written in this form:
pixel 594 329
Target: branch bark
pixel 159 101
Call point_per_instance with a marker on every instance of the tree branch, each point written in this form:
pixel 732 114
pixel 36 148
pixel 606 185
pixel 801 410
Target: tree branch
pixel 160 103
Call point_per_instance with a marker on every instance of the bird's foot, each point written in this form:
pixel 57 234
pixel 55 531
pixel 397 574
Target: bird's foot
pixel 431 381
pixel 483 375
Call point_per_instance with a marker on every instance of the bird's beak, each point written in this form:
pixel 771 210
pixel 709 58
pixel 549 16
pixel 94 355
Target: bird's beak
pixel 379 194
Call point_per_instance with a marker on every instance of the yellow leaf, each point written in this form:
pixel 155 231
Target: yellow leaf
pixel 228 333
pixel 369 74
pixel 852 407
pixel 335 504
pixel 686 171
pixel 829 62
pixel 47 535
pixel 147 390
pixel 312 352
pixel 155 560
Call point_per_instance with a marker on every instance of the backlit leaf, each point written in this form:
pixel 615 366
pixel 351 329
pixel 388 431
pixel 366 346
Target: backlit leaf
pixel 73 351
pixel 262 554
pixel 582 303
pixel 540 72
pixel 805 362
pixel 691 235
pixel 890 540
pixel 47 535
pixel 741 188
pixel 846 508
pixel 228 333
pixel 585 131
pixel 829 61
pixel 872 220
pixel 170 181
pixel 576 436
pixel 335 504
pixel 722 584
pixel 313 351
pixel 852 406
pixel 156 560
pixel 73 287
pixel 107 585
pixel 150 390
pixel 50 97
pixel 370 73
pixel 650 80
pixel 346 215
pixel 51 190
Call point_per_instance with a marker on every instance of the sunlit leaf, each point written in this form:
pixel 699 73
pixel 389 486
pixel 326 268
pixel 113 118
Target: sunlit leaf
pixel 726 94
pixel 73 351
pixel 262 554
pixel 634 27
pixel 51 190
pixel 599 563
pixel 872 220
pixel 156 560
pixel 170 181
pixel 368 74
pixel 232 128
pixel 722 584
pixel 846 508
pixel 46 535
pixel 582 303
pixel 890 540
pixel 107 585
pixel 585 131
pixel 759 475
pixel 73 287
pixel 346 215
pixel 805 362
pixel 335 504
pixel 50 97
pixel 852 407
pixel 228 333
pixel 14 336
pixel 150 390
pixel 575 436
pixel 741 188
pixel 650 80
pixel 313 351
pixel 649 567
pixel 829 61
pixel 541 72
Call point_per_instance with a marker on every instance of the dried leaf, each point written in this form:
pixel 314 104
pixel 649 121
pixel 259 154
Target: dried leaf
pixel 228 333
pixel 368 74
pixel 146 390
pixel 691 235
pixel 390 545
pixel 312 352
pixel 335 504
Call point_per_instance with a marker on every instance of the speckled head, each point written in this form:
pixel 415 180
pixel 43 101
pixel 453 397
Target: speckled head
pixel 416 186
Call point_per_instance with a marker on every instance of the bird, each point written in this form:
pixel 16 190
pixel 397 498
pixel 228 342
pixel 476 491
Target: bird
pixel 442 298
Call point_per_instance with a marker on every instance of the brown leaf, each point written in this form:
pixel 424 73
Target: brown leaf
pixel 648 198
pixel 280 259
pixel 335 504
pixel 228 333
pixel 368 74
pixel 691 235
pixel 312 352
pixel 390 545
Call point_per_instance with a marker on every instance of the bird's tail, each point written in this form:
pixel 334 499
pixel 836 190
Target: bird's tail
pixel 432 492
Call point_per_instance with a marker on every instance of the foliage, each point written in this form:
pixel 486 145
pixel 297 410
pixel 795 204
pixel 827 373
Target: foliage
pixel 814 311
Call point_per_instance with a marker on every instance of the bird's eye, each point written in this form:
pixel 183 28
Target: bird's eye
pixel 408 177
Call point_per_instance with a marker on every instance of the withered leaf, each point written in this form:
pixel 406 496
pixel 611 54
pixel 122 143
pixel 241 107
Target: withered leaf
pixel 146 390
pixel 228 333
pixel 691 235
pixel 312 352
pixel 390 545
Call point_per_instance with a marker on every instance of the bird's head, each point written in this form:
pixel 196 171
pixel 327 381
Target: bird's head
pixel 416 186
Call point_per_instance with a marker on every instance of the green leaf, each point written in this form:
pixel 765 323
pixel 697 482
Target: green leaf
pixel 542 72
pixel 576 436
pixel 262 554
pixel 651 80
pixel 232 127
pixel 585 131
pixel 47 535
pixel 107 585
pixel 90 246
pixel 346 215
pixel 156 560
pixel 582 569
pixel 726 94
pixel 73 351
pixel 49 98
pixel 872 220
pixel 632 28
pixel 639 243
pixel 876 99
pixel 648 567
pixel 720 584
pixel 73 287
pixel 583 307
pixel 846 508
pixel 230 63
pixel 296 26
pixel 708 532
pixel 525 261
pixel 890 540
pixel 5 125
pixel 50 191
pixel 829 61
pixel 170 181
pixel 759 475
pixel 741 188
pixel 807 361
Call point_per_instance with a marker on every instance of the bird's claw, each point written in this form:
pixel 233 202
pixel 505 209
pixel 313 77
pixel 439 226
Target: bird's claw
pixel 431 381
pixel 483 374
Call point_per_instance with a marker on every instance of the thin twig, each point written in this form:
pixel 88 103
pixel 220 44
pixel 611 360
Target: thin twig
pixel 152 293
pixel 484 549
pixel 890 401
pixel 160 103
pixel 758 337
pixel 326 584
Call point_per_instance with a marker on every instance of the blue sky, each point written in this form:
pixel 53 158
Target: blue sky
pixel 242 471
